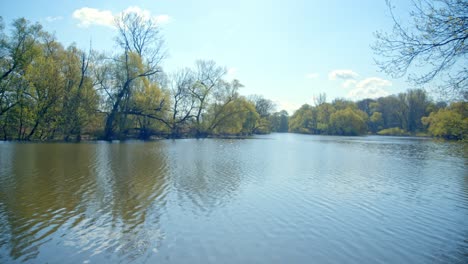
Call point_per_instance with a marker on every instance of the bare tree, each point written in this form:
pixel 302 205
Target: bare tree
pixel 208 77
pixel 320 99
pixel 183 104
pixel 142 36
pixel 142 44
pixel 435 41
pixel 264 107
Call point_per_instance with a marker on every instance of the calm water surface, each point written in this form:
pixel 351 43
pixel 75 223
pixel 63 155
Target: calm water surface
pixel 280 198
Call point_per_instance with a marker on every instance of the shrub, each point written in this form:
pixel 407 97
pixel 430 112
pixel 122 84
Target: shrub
pixel 394 131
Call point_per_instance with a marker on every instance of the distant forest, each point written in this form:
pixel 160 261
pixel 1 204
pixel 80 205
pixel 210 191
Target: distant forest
pixel 409 113
pixel 52 92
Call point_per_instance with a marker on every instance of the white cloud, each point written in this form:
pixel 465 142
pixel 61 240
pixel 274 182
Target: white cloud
pixel 92 16
pixel 342 74
pixel 312 75
pixel 371 87
pixel 146 14
pixel 373 81
pixel 349 83
pixel 51 19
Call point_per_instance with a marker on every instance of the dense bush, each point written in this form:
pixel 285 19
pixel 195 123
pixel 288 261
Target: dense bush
pixel 394 131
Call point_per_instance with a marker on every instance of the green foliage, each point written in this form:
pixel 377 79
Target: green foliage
pixel 49 92
pixel 404 110
pixel 348 122
pixel 341 104
pixel 325 119
pixel 393 111
pixel 394 131
pixel 417 103
pixel 323 114
pixel 235 117
pixel 303 120
pixel 280 121
pixel 451 123
pixel 400 114
pixel 375 122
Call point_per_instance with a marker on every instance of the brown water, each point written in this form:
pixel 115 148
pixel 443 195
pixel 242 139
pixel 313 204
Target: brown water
pixel 280 198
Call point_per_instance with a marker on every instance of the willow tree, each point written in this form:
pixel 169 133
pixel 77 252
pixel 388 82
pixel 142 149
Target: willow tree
pixel 209 77
pixel 434 41
pixel 450 122
pixel 80 99
pixel 225 108
pixel 17 51
pixel 45 89
pixel 140 40
pixel 348 122
pixel 304 120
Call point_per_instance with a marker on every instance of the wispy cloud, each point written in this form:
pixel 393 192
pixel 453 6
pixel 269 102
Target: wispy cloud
pixel 91 16
pixel 312 75
pixel 349 83
pixel 51 19
pixel 371 87
pixel 373 81
pixel 342 74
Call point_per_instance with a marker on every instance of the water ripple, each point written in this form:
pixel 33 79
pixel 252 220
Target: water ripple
pixel 291 198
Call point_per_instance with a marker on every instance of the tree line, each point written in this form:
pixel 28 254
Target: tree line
pixel 408 113
pixel 52 92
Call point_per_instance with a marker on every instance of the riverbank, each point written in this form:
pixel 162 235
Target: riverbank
pixel 93 138
pixel 89 138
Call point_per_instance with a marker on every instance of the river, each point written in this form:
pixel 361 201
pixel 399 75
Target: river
pixel 279 198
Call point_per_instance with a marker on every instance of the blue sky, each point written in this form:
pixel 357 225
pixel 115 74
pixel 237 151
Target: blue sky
pixel 287 51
